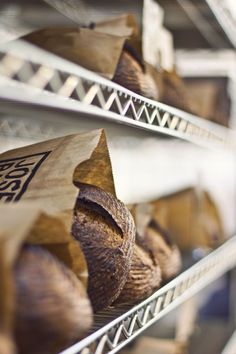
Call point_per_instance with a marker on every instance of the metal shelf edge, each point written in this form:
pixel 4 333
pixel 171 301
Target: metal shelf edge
pixel 17 66
pixel 119 332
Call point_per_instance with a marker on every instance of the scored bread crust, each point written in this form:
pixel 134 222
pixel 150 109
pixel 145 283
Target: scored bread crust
pixel 164 250
pixel 129 73
pixel 144 276
pixel 105 229
pixel 52 309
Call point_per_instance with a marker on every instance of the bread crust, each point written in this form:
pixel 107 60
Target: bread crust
pixel 144 276
pixel 105 229
pixel 164 250
pixel 52 308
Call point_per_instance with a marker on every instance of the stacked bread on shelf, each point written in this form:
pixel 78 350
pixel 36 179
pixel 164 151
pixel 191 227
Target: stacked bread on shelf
pixel 69 247
pixel 105 229
pixel 42 301
pixel 139 58
pixel 114 49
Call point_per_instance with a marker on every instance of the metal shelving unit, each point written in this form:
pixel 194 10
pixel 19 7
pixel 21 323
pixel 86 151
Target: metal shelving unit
pixel 122 329
pixel 33 78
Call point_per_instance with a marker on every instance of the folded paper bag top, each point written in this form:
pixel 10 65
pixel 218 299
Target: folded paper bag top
pixel 96 51
pixel 46 173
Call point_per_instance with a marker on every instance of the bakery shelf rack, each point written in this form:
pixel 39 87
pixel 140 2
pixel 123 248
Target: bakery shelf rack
pixel 122 325
pixel 33 79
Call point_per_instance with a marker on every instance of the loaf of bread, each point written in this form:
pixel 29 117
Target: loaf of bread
pixel 164 250
pixel 52 308
pixel 144 276
pixel 131 73
pixel 106 232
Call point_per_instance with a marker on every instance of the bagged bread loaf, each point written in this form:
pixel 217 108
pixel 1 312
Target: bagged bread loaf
pixel 164 250
pixel 105 230
pixel 110 48
pixel 144 276
pixel 94 50
pixel 158 240
pixel 131 72
pixel 46 304
pixel 53 296
pixel 52 173
pixel 191 217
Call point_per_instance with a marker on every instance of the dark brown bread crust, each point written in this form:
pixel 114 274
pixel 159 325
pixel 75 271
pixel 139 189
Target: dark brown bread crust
pixel 129 73
pixel 144 276
pixel 105 229
pixel 164 250
pixel 132 74
pixel 52 309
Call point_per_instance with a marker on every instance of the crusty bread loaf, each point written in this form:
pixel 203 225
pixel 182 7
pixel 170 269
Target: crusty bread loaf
pixel 164 250
pixel 52 308
pixel 105 229
pixel 131 73
pixel 144 276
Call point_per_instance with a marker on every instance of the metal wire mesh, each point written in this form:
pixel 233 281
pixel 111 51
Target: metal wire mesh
pixel 87 88
pixel 120 331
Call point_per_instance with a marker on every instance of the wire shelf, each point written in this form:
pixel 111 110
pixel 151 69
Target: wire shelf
pixel 119 332
pixel 30 75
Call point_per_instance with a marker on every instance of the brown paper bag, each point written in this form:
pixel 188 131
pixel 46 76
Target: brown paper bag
pixel 95 50
pixel 123 25
pixel 210 219
pixel 13 232
pixel 191 217
pixel 47 173
pixel 118 26
pixel 17 224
